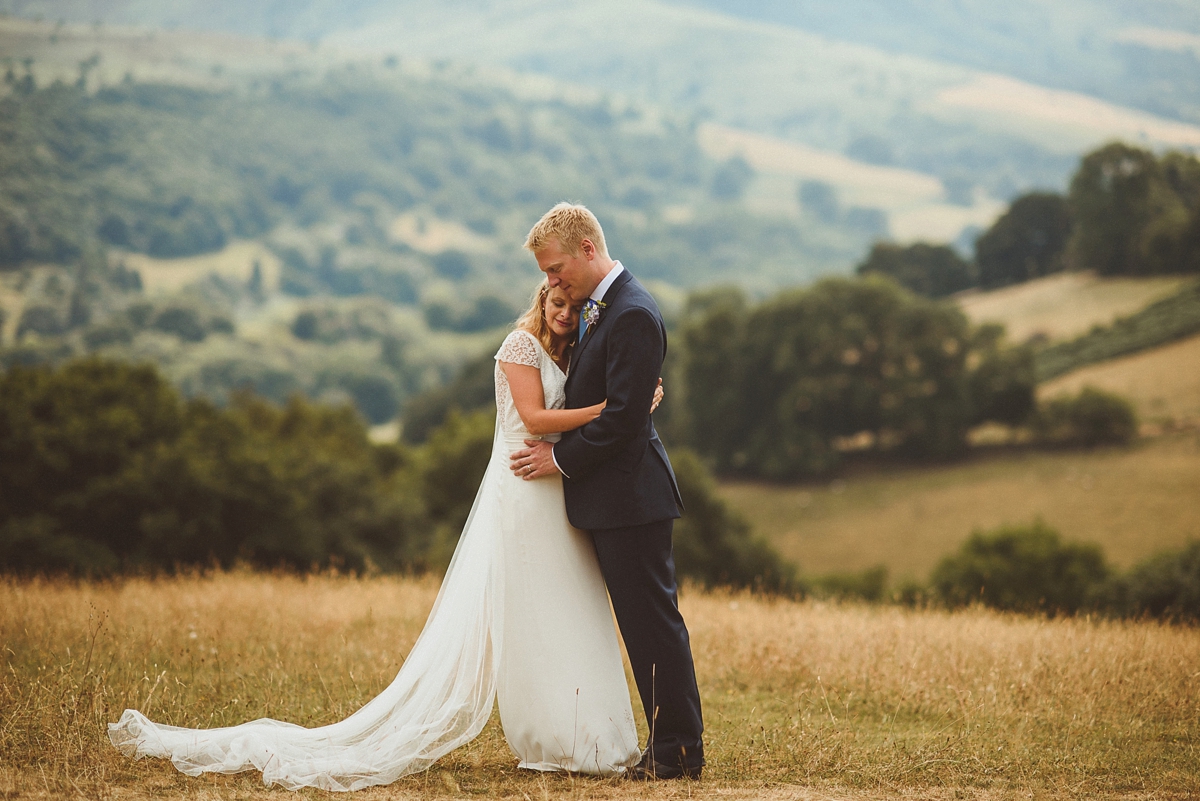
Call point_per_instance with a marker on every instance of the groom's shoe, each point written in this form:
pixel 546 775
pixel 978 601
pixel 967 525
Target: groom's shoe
pixel 648 770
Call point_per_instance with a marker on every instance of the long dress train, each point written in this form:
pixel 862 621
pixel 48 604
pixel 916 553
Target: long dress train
pixel 522 613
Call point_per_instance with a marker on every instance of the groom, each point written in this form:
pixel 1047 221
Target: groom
pixel 617 479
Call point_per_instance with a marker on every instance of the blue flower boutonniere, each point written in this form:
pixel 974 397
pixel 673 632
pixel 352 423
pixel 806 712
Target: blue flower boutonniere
pixel 591 311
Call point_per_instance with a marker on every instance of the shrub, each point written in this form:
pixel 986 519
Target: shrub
pixel 714 545
pixel 1164 586
pixel 1021 569
pixel 453 463
pixel 867 585
pixel 1091 418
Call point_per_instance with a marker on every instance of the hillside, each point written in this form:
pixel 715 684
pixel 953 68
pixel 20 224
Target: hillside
pixel 1135 54
pixel 1163 383
pixel 1065 305
pixel 1133 503
pixel 193 219
pixel 986 102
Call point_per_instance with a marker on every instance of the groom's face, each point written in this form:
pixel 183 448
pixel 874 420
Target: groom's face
pixel 574 275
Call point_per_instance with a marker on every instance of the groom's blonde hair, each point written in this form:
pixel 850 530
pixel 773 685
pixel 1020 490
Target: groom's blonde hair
pixel 570 224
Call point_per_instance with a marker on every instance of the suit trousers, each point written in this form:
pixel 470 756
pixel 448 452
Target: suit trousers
pixel 639 570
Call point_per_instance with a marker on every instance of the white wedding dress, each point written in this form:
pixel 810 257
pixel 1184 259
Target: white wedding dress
pixel 522 615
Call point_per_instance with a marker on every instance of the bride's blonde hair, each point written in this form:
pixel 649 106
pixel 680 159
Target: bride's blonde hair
pixel 534 319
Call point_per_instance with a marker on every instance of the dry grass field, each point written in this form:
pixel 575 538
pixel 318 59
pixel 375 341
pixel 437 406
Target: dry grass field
pixel 1067 304
pixel 1133 502
pixel 1163 383
pixel 802 700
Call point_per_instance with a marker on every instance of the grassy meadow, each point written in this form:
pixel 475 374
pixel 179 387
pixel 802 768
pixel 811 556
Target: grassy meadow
pixel 1163 383
pixel 802 700
pixel 1132 501
pixel 1065 305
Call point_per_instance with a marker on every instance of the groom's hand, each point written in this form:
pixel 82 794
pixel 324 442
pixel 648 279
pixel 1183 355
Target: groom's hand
pixel 536 461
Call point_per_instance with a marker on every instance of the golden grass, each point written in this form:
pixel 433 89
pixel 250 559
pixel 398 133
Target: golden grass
pixel 1163 383
pixel 1065 305
pixel 802 700
pixel 1133 502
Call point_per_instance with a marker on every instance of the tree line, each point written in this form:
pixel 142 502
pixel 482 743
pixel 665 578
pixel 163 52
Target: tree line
pixel 1128 211
pixel 788 388
pixel 105 469
pixel 784 389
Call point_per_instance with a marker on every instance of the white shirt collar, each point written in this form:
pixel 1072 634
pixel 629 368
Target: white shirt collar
pixel 598 292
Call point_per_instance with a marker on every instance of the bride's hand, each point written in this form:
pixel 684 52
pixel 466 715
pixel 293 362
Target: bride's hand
pixel 658 396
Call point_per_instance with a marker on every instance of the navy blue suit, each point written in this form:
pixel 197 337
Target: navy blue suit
pixel 620 487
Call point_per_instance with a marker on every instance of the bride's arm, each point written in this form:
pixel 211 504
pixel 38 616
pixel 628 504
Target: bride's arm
pixel 525 383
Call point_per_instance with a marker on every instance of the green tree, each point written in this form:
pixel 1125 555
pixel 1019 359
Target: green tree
pixel 1002 381
pixel 471 390
pixel 1027 241
pixel 846 357
pixel 713 376
pixel 453 463
pixel 1171 242
pixel 714 545
pixel 1135 213
pixel 930 270
pixel 1021 569
pixel 104 467
pixel 771 390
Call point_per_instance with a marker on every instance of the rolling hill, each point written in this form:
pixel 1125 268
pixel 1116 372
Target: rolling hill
pixel 983 100
pixel 1133 502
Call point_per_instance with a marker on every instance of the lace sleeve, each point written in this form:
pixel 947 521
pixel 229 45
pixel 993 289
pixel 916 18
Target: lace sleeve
pixel 520 347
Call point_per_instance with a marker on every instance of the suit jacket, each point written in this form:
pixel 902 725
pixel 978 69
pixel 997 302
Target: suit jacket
pixel 617 473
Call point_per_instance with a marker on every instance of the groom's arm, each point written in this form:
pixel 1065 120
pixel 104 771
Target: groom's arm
pixel 634 363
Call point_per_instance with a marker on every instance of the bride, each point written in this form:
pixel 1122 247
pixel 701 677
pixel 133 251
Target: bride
pixel 522 615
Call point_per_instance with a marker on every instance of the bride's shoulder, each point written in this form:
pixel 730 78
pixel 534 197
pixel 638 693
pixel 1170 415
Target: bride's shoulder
pixel 520 347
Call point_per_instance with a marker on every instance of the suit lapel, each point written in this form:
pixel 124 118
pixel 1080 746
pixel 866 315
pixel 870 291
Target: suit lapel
pixel 610 297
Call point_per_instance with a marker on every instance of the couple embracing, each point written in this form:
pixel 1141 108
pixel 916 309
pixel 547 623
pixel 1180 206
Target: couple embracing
pixel 578 497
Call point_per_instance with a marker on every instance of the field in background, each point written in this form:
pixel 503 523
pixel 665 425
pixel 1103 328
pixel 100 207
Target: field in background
pixel 914 202
pixel 1064 121
pixel 1065 305
pixel 1132 502
pixel 802 700
pixel 235 262
pixel 1163 383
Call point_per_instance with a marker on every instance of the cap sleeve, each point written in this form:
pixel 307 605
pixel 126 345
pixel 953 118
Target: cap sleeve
pixel 520 347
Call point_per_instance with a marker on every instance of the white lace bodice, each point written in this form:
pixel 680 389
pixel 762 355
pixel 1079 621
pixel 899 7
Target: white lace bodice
pixel 522 347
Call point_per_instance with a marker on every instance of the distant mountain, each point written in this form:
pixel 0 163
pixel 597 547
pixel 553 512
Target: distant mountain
pixel 988 100
pixel 1104 48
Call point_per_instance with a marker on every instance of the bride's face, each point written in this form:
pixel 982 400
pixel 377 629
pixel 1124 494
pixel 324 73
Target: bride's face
pixel 562 316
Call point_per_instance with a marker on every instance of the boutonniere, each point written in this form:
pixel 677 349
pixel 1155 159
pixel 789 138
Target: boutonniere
pixel 591 311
